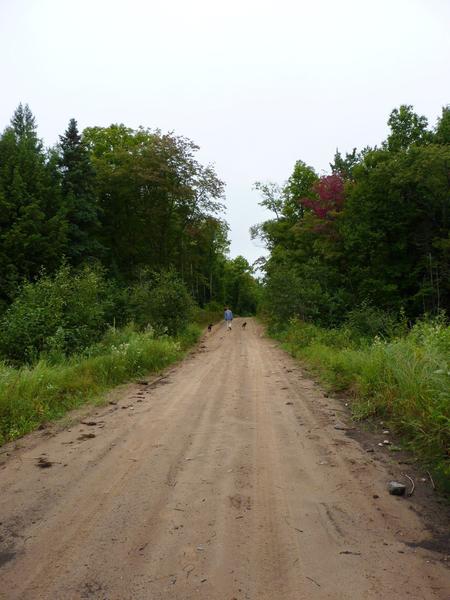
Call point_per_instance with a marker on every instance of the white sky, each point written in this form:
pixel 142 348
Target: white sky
pixel 256 84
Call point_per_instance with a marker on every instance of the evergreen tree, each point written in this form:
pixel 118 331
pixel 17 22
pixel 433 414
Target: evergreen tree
pixel 32 232
pixel 80 200
pixel 442 134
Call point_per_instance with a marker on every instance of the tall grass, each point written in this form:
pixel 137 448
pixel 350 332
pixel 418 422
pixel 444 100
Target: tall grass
pixel 31 395
pixel 405 380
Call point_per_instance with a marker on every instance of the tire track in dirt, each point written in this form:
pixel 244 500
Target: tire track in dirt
pixel 227 482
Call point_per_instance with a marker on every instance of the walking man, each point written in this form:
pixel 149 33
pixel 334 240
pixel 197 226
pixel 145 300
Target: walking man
pixel 228 316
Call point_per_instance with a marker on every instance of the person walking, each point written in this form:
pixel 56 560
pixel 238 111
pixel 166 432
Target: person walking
pixel 228 316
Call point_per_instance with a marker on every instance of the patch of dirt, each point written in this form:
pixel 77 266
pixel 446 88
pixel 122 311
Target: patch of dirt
pixel 213 491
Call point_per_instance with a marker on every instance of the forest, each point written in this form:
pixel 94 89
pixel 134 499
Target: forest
pixel 357 283
pixel 114 254
pixel 375 231
pixel 112 242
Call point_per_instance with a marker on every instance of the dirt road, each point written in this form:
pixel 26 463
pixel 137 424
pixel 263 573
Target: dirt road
pixel 225 480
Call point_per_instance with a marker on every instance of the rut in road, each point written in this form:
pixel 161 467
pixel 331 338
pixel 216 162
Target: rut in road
pixel 227 480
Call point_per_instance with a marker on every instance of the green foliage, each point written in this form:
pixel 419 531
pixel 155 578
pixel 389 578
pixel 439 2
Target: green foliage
pixel 442 132
pixel 368 321
pixel 79 197
pixel 57 314
pixel 161 302
pixel 137 200
pixel 241 288
pixel 32 223
pixel 385 244
pixel 210 313
pixel 159 206
pixel 406 128
pixel 404 380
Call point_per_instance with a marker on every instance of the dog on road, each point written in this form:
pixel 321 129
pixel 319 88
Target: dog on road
pixel 244 324
pixel 210 326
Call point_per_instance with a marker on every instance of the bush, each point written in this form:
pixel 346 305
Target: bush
pixel 55 315
pixel 161 302
pixel 368 321
pixel 210 313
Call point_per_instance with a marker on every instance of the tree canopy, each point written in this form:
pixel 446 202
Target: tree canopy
pixel 376 231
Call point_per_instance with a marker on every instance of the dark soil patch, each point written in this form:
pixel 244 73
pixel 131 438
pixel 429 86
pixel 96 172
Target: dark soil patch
pixel 6 557
pixel 86 436
pixel 44 463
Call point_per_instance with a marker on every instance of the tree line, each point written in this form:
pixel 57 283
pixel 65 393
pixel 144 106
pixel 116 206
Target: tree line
pixel 372 235
pixel 131 213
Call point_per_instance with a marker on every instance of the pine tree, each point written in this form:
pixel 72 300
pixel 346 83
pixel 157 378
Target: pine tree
pixel 78 189
pixel 32 234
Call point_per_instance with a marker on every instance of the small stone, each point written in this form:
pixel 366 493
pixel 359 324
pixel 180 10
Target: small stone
pixel 386 432
pixel 340 427
pixel 386 442
pixel 375 496
pixel 396 489
pixel 380 444
pixel 370 450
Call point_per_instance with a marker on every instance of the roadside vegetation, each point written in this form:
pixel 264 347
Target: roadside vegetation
pixel 357 283
pixel 46 390
pixel 402 380
pixel 113 256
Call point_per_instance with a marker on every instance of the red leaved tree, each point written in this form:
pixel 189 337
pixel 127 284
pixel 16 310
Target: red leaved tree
pixel 329 191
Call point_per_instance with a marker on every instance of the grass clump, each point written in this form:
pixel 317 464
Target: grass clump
pixel 405 379
pixel 33 394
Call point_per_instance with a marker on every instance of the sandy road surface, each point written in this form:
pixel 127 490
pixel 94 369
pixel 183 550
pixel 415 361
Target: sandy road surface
pixel 228 480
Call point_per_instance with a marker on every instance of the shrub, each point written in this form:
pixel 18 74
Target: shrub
pixel 55 315
pixel 368 321
pixel 162 302
pixel 210 313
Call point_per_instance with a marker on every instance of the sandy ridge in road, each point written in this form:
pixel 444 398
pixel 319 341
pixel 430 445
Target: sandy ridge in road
pixel 227 482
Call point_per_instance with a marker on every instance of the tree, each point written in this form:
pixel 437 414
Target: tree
pixel 33 233
pixel 442 131
pixel 329 196
pixel 241 288
pixel 155 198
pixel 298 186
pixel 373 233
pixel 407 128
pixel 78 192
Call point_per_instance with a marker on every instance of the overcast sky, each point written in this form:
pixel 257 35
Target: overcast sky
pixel 256 84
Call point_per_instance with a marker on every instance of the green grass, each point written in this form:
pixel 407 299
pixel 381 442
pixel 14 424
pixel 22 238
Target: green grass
pixel 30 396
pixel 404 380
